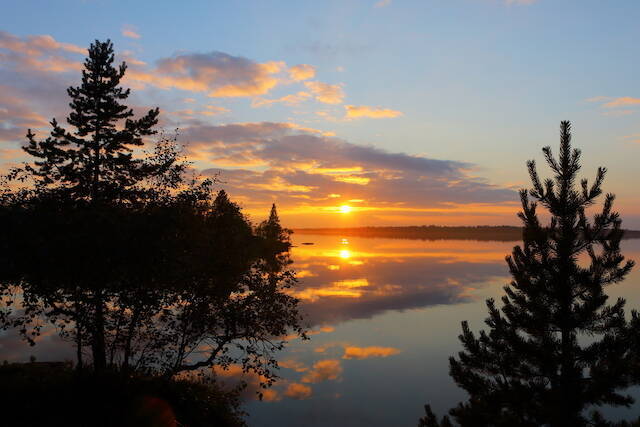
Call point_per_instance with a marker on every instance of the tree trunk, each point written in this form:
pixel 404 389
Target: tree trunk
pixel 98 345
pixel 79 364
pixel 127 348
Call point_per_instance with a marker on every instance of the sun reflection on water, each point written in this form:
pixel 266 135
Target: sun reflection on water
pixel 345 254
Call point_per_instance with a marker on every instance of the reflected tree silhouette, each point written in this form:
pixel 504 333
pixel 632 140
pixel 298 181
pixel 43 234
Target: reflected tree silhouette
pixel 556 348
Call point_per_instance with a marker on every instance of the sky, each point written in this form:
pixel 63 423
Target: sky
pixel 351 112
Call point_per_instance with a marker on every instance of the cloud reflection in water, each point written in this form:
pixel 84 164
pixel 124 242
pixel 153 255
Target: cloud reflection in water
pixel 353 278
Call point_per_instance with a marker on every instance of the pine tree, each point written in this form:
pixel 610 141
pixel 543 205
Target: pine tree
pixel 91 170
pixel 556 348
pixel 271 228
pixel 95 161
pixel 276 241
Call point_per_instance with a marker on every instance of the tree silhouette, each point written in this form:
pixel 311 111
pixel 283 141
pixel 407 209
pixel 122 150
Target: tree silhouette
pixel 95 161
pixel 556 348
pixel 276 241
pixel 124 254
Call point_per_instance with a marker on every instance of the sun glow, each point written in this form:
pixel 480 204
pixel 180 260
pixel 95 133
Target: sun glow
pixel 345 209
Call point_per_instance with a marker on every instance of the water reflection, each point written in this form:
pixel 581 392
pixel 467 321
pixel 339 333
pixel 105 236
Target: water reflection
pixel 353 278
pixel 386 315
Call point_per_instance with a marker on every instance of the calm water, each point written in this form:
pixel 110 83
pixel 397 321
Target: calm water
pixel 385 316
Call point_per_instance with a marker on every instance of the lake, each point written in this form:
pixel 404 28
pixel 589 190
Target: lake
pixel 385 316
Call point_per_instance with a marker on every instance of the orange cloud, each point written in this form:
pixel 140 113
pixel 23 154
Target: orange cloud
pixel 293 99
pixel 210 110
pixel 217 74
pixel 353 352
pixel 130 33
pixel 323 370
pixel 40 53
pixel 613 103
pixel 36 45
pixel 326 93
pixel 622 102
pixel 298 391
pixel 277 183
pixel 302 72
pixel 311 166
pixel 353 179
pixel 633 138
pixel 354 111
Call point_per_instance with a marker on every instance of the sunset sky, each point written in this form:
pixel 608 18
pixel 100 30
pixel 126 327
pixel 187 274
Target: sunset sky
pixel 352 112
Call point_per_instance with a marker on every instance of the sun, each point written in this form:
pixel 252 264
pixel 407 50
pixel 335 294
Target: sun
pixel 345 209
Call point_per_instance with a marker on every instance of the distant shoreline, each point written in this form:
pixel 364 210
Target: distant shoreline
pixel 500 233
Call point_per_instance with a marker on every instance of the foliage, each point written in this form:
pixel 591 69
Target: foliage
pixel 37 394
pixel 556 348
pixel 127 257
pixel 275 250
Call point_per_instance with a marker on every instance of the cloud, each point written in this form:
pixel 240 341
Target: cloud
pixel 298 391
pixel 16 116
pixel 191 114
pixel 354 111
pixel 292 99
pixel 382 3
pixel 216 74
pixel 624 101
pixel 323 370
pixel 302 72
pixel 353 352
pixel 130 32
pixel 38 54
pixel 293 164
pixel 326 93
pixel 299 166
pixel 633 138
pixel 36 45
pixel 613 103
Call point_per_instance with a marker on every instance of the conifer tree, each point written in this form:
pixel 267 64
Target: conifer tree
pixel 556 348
pixel 276 241
pixel 95 160
pixel 101 241
pixel 82 180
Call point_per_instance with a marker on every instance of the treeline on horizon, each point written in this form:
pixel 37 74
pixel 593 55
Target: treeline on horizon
pixel 499 233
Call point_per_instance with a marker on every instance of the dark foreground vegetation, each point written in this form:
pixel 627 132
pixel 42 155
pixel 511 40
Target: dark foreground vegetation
pixel 151 276
pixel 498 233
pixel 54 394
pixel 556 350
